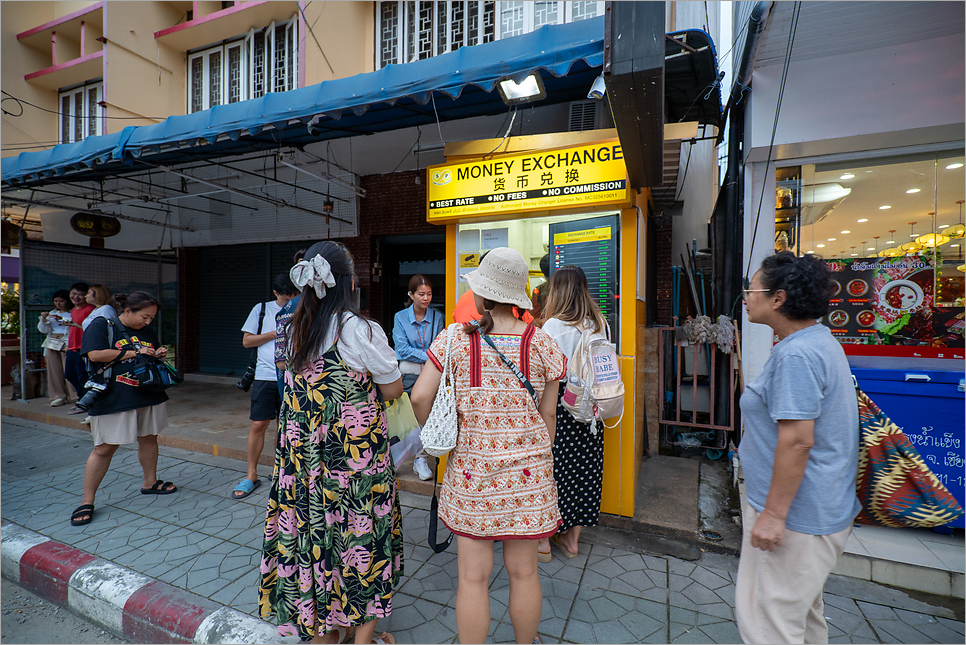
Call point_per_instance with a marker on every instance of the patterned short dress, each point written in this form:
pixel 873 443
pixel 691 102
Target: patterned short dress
pixel 499 478
pixel 333 549
pixel 578 468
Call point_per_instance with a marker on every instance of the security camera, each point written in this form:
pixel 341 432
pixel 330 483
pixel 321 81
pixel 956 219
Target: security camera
pixel 597 89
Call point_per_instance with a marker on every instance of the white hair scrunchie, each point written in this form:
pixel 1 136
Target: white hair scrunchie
pixel 315 273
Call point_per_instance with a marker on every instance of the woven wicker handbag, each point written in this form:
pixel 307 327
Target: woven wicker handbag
pixel 442 427
pixel 894 484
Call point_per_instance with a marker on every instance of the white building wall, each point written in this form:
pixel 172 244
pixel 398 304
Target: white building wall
pixel 865 100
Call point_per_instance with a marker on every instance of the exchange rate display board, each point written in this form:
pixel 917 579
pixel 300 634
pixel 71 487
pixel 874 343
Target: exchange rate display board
pixel 591 244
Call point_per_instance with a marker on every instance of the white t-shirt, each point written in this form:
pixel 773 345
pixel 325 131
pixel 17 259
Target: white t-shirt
pixel 362 353
pixel 104 311
pixel 265 368
pixel 53 324
pixel 566 335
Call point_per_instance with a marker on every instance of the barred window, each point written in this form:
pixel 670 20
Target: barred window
pixel 410 31
pixel 245 67
pixel 81 114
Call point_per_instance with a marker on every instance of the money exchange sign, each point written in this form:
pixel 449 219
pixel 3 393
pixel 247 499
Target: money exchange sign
pixel 591 174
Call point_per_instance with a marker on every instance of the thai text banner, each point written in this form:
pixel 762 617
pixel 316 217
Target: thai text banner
pixel 536 180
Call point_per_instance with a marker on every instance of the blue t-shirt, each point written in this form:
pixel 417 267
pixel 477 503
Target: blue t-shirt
pixel 807 376
pixel 410 338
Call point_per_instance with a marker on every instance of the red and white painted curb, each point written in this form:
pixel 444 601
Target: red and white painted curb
pixel 129 604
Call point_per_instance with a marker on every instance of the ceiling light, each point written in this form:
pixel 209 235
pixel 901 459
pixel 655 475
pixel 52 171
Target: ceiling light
pixel 954 166
pixel 808 252
pixel 821 246
pixel 846 232
pixel 941 227
pixel 932 239
pixel 855 255
pixel 847 175
pixel 861 220
pixel 529 90
pixel 954 246
pixel 884 208
pixel 871 248
pixel 912 190
pixel 831 239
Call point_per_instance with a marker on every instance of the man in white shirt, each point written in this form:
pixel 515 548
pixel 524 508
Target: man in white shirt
pixel 259 331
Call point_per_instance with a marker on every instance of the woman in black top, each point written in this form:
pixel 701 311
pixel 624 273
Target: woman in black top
pixel 123 413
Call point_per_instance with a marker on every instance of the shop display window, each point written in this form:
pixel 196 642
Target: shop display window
pixel 892 230
pixel 592 242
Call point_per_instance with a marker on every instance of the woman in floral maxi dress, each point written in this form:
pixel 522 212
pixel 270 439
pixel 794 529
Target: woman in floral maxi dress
pixel 333 550
pixel 499 481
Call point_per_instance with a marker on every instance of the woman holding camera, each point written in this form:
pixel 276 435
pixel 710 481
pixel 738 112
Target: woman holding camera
pixel 54 324
pixel 333 550
pixel 121 412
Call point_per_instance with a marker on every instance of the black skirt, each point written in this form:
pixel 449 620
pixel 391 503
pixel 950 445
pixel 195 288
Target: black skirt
pixel 578 468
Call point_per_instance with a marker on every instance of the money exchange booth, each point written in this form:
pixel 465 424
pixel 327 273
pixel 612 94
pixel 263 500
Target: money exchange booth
pixel 565 196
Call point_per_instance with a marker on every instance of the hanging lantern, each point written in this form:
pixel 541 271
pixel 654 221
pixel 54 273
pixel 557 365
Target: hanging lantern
pixel 891 251
pixel 957 230
pixel 932 239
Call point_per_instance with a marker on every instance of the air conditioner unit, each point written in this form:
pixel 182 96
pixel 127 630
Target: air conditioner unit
pixel 583 116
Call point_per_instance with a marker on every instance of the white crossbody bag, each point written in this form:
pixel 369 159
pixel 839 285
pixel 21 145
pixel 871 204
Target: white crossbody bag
pixel 441 429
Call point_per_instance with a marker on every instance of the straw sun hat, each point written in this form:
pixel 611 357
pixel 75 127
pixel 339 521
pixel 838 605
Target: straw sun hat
pixel 501 277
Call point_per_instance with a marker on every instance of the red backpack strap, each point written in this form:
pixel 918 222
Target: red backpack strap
pixel 525 350
pixel 476 367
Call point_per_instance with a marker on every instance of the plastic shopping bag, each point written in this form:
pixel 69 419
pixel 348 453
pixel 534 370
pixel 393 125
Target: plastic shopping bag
pixel 403 428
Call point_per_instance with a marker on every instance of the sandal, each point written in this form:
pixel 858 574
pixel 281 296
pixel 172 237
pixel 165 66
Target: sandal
pixel 246 487
pixel 77 410
pixel 544 556
pixel 555 538
pixel 159 488
pixel 384 638
pixel 81 511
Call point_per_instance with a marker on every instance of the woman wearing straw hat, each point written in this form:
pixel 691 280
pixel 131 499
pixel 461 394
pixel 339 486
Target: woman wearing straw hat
pixel 499 478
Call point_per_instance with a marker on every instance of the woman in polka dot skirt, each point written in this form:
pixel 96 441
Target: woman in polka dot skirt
pixel 578 448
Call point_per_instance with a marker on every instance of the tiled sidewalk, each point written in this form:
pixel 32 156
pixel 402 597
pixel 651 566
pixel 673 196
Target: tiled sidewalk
pixel 201 541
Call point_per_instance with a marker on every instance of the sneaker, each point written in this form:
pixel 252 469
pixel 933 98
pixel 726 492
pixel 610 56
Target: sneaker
pixel 422 469
pixel 57 403
pixel 86 421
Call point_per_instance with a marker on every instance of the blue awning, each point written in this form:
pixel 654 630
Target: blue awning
pixel 568 57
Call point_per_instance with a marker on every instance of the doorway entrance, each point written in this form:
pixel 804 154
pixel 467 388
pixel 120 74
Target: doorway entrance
pixel 403 256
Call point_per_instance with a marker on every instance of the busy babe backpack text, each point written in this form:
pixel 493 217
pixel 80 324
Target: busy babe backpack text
pixel 594 387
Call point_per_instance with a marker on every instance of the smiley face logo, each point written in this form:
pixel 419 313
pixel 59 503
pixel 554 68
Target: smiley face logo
pixel 442 177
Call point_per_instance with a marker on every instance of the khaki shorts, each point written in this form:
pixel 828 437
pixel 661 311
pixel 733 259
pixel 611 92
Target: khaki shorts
pixel 125 427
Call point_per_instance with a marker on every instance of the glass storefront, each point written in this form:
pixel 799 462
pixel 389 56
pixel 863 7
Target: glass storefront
pixel 892 231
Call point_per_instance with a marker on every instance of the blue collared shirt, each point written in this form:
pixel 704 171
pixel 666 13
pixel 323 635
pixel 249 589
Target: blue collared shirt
pixel 412 338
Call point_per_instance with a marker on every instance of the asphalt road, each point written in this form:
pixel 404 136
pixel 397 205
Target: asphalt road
pixel 27 618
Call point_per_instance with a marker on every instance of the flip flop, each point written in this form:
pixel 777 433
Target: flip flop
pixel 159 488
pixel 555 538
pixel 246 487
pixel 81 511
pixel 384 638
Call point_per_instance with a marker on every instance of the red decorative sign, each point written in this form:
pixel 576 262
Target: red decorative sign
pixel 886 307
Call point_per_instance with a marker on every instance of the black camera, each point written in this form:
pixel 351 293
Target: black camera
pixel 247 379
pixel 94 391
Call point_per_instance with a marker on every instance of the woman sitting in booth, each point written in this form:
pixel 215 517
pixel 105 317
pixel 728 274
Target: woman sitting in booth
pixel 414 328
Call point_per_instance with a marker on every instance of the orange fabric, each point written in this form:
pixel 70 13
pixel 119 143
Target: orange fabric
pixel 465 310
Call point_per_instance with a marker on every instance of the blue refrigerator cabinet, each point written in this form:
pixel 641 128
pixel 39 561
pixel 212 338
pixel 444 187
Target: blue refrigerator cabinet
pixel 929 407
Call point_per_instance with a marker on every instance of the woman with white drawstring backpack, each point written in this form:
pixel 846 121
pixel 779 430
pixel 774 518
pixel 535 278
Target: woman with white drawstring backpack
pixel 578 448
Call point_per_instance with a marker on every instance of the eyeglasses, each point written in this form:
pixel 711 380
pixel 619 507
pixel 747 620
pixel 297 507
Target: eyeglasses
pixel 745 292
